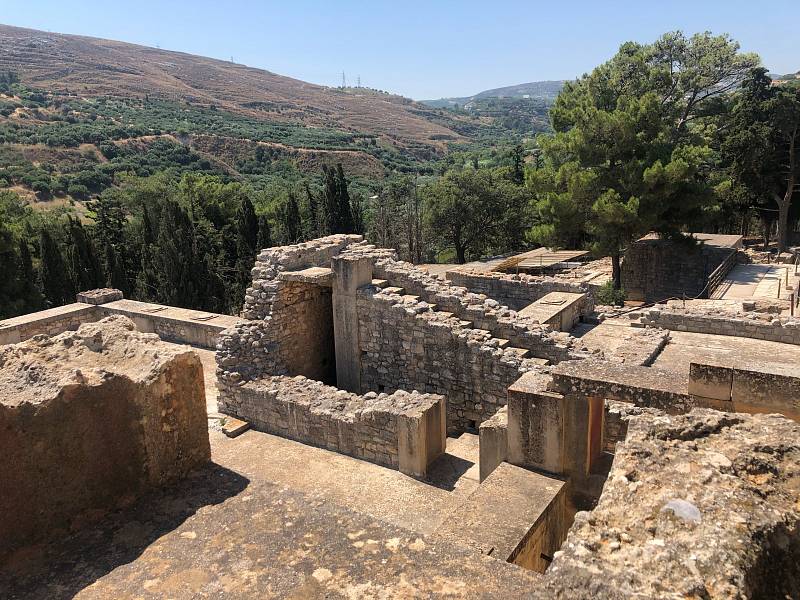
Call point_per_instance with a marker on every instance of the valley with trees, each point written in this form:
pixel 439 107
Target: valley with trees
pixel 111 177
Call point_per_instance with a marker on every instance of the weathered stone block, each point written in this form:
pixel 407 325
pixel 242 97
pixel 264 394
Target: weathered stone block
pixel 91 419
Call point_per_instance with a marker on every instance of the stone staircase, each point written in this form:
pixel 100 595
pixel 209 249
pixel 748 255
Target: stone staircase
pixel 496 342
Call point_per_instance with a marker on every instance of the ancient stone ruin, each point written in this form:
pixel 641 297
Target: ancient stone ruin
pixel 412 433
pixel 92 419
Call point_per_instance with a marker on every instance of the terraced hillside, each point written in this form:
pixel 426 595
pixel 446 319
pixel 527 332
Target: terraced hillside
pixel 92 67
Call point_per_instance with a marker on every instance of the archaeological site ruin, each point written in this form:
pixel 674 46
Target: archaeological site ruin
pixel 369 428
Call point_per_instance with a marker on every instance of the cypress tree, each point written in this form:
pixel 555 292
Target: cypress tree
pixel 290 219
pixel 55 281
pixel 246 240
pixel 329 205
pixel 264 235
pixel 174 260
pixel 10 304
pixel 83 263
pixel 345 222
pixel 28 289
pixel 147 280
pixel 312 219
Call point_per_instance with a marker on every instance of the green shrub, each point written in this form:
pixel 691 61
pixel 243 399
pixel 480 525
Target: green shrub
pixel 608 295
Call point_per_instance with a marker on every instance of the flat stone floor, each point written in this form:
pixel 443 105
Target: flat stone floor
pixel 685 348
pixel 754 281
pixel 270 517
pixel 274 518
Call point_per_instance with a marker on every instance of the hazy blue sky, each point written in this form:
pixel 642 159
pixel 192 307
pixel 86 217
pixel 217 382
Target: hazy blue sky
pixel 419 49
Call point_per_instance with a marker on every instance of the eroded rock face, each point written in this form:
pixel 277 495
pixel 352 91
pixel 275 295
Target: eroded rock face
pixel 89 419
pixel 701 505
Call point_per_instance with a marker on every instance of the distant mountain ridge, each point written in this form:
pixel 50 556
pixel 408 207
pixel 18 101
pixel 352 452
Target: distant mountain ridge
pixel 545 90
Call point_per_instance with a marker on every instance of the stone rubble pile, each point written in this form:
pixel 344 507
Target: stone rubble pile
pixel 700 505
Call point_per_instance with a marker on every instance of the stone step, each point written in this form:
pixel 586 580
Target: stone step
pixel 410 298
pixel 466 324
pixel 501 343
pixel 483 331
pixel 521 352
pixel 394 290
pixel 539 361
pixel 380 283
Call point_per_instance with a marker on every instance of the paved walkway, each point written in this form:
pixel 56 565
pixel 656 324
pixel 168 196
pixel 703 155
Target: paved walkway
pixel 750 282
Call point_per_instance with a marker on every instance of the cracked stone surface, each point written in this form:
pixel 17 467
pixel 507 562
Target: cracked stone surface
pixel 701 505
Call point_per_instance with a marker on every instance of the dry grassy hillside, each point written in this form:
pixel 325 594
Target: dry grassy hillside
pixel 96 67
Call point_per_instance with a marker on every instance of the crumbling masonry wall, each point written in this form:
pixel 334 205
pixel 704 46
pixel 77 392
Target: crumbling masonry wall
pixel 701 505
pixel 756 325
pixel 513 290
pixel 480 311
pixel 403 431
pixel 405 345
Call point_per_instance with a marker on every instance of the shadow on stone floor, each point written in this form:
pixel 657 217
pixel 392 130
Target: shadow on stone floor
pixel 447 470
pixel 61 569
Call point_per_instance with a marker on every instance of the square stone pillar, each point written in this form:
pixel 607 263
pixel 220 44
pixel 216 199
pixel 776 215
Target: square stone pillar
pixel 349 274
pixel 421 438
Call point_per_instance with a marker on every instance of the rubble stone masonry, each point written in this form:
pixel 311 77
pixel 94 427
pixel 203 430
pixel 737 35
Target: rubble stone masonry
pixel 403 430
pixel 405 345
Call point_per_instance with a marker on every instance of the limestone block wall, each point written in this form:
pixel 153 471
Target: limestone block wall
pixel 46 322
pixel 776 329
pixel 90 420
pixel 515 291
pixel 403 430
pixel 270 262
pixel 747 388
pixel 405 345
pixel 493 442
pixel 483 313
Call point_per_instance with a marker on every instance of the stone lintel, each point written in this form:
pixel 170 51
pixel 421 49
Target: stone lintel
pixel 322 276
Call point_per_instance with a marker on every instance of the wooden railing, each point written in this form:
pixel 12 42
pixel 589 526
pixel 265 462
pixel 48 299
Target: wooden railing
pixel 719 274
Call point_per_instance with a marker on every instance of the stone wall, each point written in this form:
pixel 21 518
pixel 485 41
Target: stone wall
pixel 406 345
pixel 403 430
pixel 172 324
pixel 483 313
pixel 758 326
pixel 91 419
pixel 270 262
pixel 302 329
pixel 750 388
pixel 655 269
pixel 514 291
pixel 493 442
pixel 46 322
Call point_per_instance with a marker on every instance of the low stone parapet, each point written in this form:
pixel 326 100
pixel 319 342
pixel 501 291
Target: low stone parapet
pixel 47 322
pixel 513 290
pixel 404 430
pixel 760 326
pixel 90 420
pixel 752 388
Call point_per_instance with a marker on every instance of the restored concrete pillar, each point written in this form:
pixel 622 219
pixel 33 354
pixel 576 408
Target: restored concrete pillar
pixel 350 273
pixel 536 426
pixel 421 438
pixel 493 442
